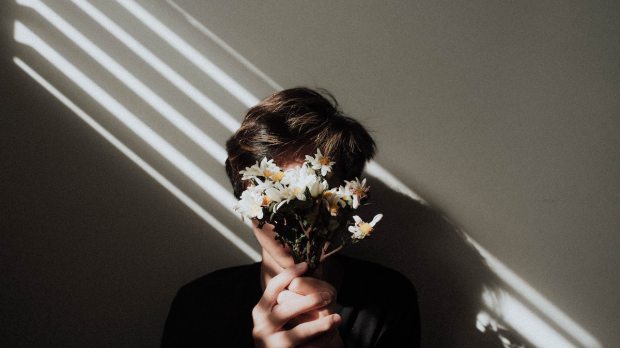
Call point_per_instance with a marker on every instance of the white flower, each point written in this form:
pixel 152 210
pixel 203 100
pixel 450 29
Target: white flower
pixel 320 162
pixel 266 169
pixel 317 187
pixel 295 182
pixel 261 185
pixel 333 201
pixel 298 176
pixel 274 193
pixel 358 190
pixel 290 193
pixel 345 196
pixel 270 191
pixel 250 204
pixel 361 229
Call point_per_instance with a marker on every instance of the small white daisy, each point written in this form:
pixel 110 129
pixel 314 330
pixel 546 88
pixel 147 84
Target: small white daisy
pixel 250 204
pixel 358 191
pixel 320 162
pixel 266 168
pixel 362 229
pixel 333 201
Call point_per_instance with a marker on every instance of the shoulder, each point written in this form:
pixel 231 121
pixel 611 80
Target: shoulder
pixel 381 303
pixel 224 274
pixel 365 271
pixel 378 282
pixel 222 281
pixel 203 309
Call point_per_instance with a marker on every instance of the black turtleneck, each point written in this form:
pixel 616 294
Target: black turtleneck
pixel 378 306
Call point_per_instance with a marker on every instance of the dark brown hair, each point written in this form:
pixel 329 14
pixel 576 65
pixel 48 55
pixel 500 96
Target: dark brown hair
pixel 296 122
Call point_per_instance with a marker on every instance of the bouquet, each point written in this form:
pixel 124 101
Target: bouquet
pixel 313 219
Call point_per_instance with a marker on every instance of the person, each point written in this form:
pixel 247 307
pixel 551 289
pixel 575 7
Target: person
pixel 348 302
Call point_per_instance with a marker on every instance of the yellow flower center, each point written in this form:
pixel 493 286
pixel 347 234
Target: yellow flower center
pixel 277 176
pixel 333 209
pixel 324 161
pixel 365 228
pixel 266 201
pixel 266 173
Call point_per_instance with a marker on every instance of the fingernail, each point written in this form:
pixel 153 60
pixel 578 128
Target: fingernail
pixel 300 266
pixel 337 319
pixel 326 296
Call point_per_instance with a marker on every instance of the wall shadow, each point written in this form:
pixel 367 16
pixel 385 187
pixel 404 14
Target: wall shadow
pixel 447 271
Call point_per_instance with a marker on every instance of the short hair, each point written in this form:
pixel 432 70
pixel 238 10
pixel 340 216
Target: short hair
pixel 295 122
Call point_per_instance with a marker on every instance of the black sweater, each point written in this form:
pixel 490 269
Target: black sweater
pixel 378 306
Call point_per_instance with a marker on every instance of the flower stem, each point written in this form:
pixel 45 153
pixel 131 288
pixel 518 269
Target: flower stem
pixel 331 253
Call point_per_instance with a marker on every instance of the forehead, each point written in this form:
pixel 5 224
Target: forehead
pixel 292 157
pixel 290 163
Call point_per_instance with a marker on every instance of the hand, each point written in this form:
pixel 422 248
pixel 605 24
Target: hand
pixel 304 286
pixel 270 317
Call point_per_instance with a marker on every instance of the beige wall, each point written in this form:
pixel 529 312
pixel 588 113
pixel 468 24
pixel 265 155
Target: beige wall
pixel 503 115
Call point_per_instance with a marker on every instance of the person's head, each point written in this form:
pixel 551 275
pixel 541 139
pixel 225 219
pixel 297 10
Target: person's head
pixel 288 125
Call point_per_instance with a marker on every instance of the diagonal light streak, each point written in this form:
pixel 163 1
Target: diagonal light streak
pixel 521 287
pixel 158 65
pixel 373 168
pixel 524 321
pixel 198 59
pixel 131 121
pixel 555 314
pixel 376 170
pixel 137 86
pixel 162 180
pixel 211 35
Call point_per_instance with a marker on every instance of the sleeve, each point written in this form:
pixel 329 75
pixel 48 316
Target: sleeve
pixel 177 327
pixel 402 329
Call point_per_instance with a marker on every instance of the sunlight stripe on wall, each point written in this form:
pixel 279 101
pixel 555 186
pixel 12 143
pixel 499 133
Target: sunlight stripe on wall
pixel 523 320
pixel 525 290
pixel 379 172
pixel 134 84
pixel 158 65
pixel 223 45
pixel 374 169
pixel 191 204
pixel 202 62
pixel 131 121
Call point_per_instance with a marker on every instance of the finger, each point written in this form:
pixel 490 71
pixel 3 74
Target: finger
pixel 302 318
pixel 309 285
pixel 326 339
pixel 310 315
pixel 287 296
pixel 282 313
pixel 305 332
pixel 277 284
